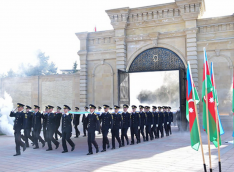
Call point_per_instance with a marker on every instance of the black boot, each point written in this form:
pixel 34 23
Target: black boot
pixel 90 153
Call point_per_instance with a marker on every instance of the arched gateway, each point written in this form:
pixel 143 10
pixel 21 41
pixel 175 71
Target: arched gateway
pixel 155 59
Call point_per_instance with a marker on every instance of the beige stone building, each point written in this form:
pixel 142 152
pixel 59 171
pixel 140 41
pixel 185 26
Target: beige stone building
pixel 153 38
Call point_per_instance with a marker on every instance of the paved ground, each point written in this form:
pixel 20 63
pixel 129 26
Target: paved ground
pixel 171 153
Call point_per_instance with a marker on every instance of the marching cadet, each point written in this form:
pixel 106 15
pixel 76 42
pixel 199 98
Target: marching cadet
pixel 150 122
pixel 106 120
pixel 170 119
pixel 143 123
pixel 18 125
pixel 51 127
pixel 44 116
pixel 92 126
pixel 166 122
pixel 126 124
pixel 155 126
pixel 37 116
pixel 160 122
pixel 99 114
pixel 27 125
pixel 84 122
pixel 58 120
pixel 67 129
pixel 117 124
pixel 135 123
pixel 76 122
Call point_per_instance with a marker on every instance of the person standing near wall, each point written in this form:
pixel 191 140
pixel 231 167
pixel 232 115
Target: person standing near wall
pixel 170 119
pixel 76 122
pixel 58 121
pixel 18 126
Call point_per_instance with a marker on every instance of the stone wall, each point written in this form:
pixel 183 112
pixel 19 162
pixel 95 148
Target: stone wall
pixel 55 90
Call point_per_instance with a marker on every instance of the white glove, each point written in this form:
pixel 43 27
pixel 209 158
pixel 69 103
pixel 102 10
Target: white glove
pixel 86 114
pixel 156 125
pixel 151 126
pixel 167 122
pixel 163 124
pixel 96 132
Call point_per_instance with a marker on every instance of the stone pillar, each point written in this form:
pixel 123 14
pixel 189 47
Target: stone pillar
pixel 83 68
pixel 120 51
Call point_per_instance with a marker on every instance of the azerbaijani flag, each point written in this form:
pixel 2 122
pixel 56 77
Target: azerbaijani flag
pixel 192 98
pixel 216 97
pixel 207 85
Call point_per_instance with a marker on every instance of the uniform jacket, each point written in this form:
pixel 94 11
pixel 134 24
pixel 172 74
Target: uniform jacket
pixel 150 118
pixel 58 119
pixel 117 121
pixel 143 118
pixel 28 120
pixel 106 120
pixel 170 117
pixel 135 119
pixel 76 120
pixel 66 123
pixel 166 117
pixel 37 120
pixel 156 115
pixel 92 122
pixel 126 120
pixel 19 119
pixel 161 118
pixel 51 121
pixel 44 117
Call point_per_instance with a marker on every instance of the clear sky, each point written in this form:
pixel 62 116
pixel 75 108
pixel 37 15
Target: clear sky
pixel 50 26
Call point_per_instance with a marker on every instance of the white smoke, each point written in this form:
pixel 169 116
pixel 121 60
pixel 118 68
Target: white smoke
pixel 6 122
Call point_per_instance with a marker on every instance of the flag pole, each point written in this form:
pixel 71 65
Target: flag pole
pixel 207 117
pixel 217 127
pixel 199 132
pixel 203 157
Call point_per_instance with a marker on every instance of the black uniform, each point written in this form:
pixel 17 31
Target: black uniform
pixel 107 123
pixel 44 117
pixel 155 125
pixel 37 128
pixel 126 125
pixel 142 125
pixel 117 124
pixel 84 124
pixel 93 125
pixel 160 124
pixel 100 128
pixel 166 122
pixel 18 125
pixel 27 127
pixel 150 121
pixel 76 122
pixel 57 123
pixel 51 128
pixel 67 131
pixel 170 121
pixel 135 123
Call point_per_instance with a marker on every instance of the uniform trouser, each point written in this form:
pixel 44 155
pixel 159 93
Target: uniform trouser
pixel 148 132
pixel 154 131
pixel 134 131
pixel 84 128
pixel 141 131
pixel 169 128
pixel 26 136
pixel 124 135
pixel 37 137
pixel 91 140
pixel 44 133
pixel 50 138
pixel 115 135
pixel 57 132
pixel 166 129
pixel 18 141
pixel 77 130
pixel 160 129
pixel 66 136
pixel 105 140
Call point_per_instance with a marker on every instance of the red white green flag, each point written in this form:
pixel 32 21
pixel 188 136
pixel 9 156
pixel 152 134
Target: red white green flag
pixel 207 85
pixel 192 98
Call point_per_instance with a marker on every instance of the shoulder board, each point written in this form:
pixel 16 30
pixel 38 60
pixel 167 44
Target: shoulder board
pixel 94 113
